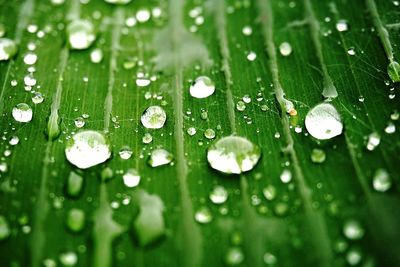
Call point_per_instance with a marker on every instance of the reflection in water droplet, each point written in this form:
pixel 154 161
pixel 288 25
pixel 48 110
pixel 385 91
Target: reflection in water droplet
pixel 22 112
pixel 37 98
pixel 323 122
pixel 153 117
pixel 87 149
pixel 8 49
pixel 191 131
pixel 131 178
pixel 209 134
pixel 381 181
pixel 233 154
pixel 202 87
pixel 160 157
pixel 80 34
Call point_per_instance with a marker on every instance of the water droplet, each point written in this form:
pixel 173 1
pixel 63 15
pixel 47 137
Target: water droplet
pixel 323 122
pixel 374 139
pixel 142 82
pixel 390 128
pixel 30 58
pixel 79 122
pixel 22 112
pixel 118 2
pixel 286 176
pixel 246 99
pixel 381 181
pixel 285 49
pixel 68 258
pixel 203 215
pixel 270 259
pixel 153 117
pixel 393 70
pixel 233 154
pixel 96 56
pixel 351 51
pixel 50 262
pixel 74 184
pixel 240 106
pixel 269 192
pixel 147 138
pixel 202 87
pixel 234 256
pixel 191 131
pixel 353 257
pixel 353 230
pixel 160 157
pixel 76 220
pixel 14 140
pixel 125 153
pixel 130 21
pixel 4 228
pixel 3 167
pixel 318 155
pixel 37 98
pixel 209 134
pixel 57 2
pixel 29 80
pixel 131 178
pixel 218 195
pixel 251 56
pixel 80 34
pixel 247 30
pixel 8 49
pixel 143 15
pixel 87 149
pixel 342 25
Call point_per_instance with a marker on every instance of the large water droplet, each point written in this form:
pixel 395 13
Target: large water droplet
pixel 153 117
pixel 80 34
pixel 87 149
pixel 8 49
pixel 323 122
pixel 160 157
pixel 22 112
pixel 233 154
pixel 202 87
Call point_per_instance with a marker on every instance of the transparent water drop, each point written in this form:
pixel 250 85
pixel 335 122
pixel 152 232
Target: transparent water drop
pixel 203 215
pixel 390 128
pixel 147 138
pixel 393 70
pixel 80 34
pixel 87 149
pixel 342 25
pixel 209 134
pixel 246 99
pixel 233 155
pixel 202 87
pixel 269 192
pixel 57 2
pixel 381 180
pixel 143 15
pixel 118 2
pixel 351 51
pixel 3 167
pixel 191 131
pixel 218 195
pixel 130 21
pixel 270 259
pixel 374 139
pixel 318 155
pixel 142 82
pixel 353 257
pixel 160 157
pixel 5 230
pixel 68 259
pixel 14 83
pixel 29 80
pixel 131 178
pixel 96 56
pixel 76 220
pixel 247 30
pixel 50 262
pixel 153 117
pixel 22 112
pixel 79 122
pixel 8 49
pixel 37 98
pixel 323 122
pixel 125 153
pixel 234 256
pixel 286 176
pixel 353 230
pixel 285 49
pixel 14 140
pixel 30 58
pixel 240 106
pixel 74 184
pixel 251 56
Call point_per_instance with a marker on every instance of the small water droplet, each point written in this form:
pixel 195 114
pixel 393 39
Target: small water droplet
pixel 393 70
pixel 251 56
pixel 160 157
pixel 286 176
pixel 96 56
pixel 87 149
pixel 147 138
pixel 390 128
pixel 68 258
pixel 75 220
pixel 22 112
pixel 118 2
pixel 191 131
pixel 240 105
pixel 125 153
pixel 14 140
pixel 351 51
pixel 270 259
pixel 247 30
pixel 323 122
pixel 318 155
pixel 234 256
pixel 143 15
pixel 131 178
pixel 79 122
pixel 233 154
pixel 74 184
pixel 342 25
pixel 381 180
pixel 218 195
pixel 353 230
pixel 246 99
pixel 80 34
pixel 30 58
pixel 374 139
pixel 209 134
pixel 285 49
pixel 142 82
pixel 202 87
pixel 37 98
pixel 203 215
pixel 4 228
pixel 269 192
pixel 8 49
pixel 153 117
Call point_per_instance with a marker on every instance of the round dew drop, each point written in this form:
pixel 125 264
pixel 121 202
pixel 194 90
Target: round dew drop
pixel 160 157
pixel 131 178
pixel 118 2
pixel 202 87
pixel 22 112
pixel 8 49
pixel 233 155
pixel 96 56
pixel 353 230
pixel 219 195
pixel 203 215
pixel 80 34
pixel 323 122
pixel 87 149
pixel 153 117
pixel 381 180
pixel 285 49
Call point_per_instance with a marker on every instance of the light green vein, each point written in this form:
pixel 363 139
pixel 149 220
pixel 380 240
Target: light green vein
pixel 315 222
pixel 329 91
